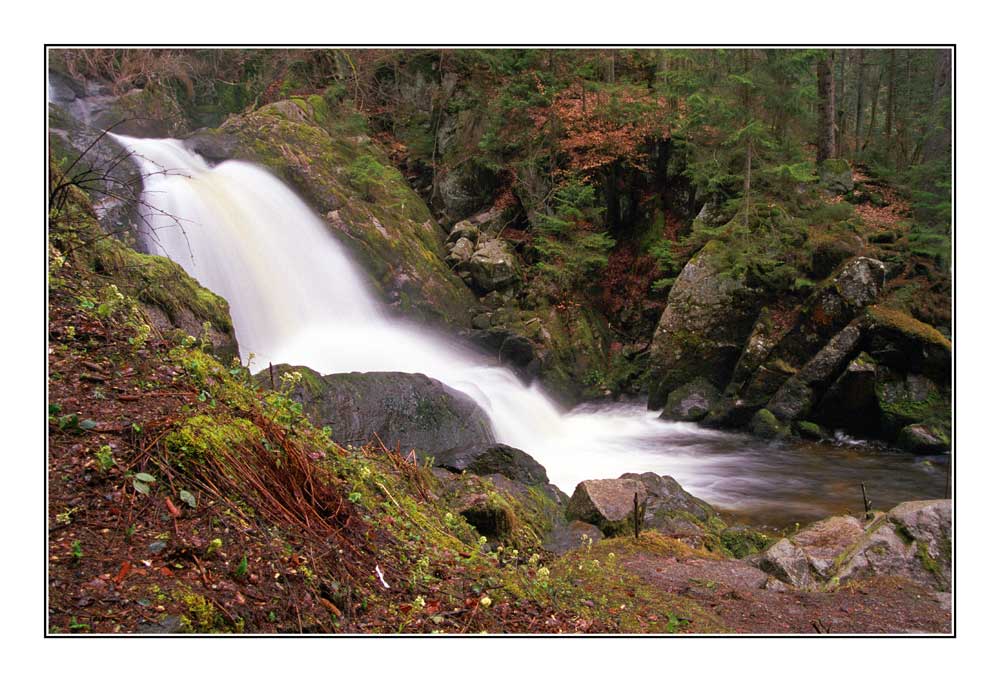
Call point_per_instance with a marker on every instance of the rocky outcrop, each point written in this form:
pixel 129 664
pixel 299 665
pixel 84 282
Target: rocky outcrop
pixel 913 540
pixel 924 439
pixel 411 410
pixel 703 328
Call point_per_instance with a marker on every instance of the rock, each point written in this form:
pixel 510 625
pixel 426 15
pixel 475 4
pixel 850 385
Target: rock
pixel 413 410
pixel 908 399
pixel 567 537
pixel 913 541
pixel 703 328
pixel 666 499
pixel 850 401
pixel 488 515
pixel 167 625
pixel 465 188
pixel 512 349
pixel 464 229
pixel 904 343
pixel 796 397
pixel 835 176
pixel 860 280
pixel 515 464
pixel 482 321
pixel 211 144
pixel 810 558
pixel 811 431
pixel 765 425
pixel 786 562
pixel 460 252
pixel 691 402
pixel 923 440
pixel 606 503
pixel 824 541
pixel 493 266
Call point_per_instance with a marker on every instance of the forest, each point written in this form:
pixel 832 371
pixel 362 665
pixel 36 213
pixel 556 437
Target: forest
pixel 462 341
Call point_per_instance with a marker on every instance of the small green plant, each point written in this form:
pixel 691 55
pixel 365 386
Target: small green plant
pixel 214 546
pixel 76 550
pixel 241 568
pixel 142 481
pixel 105 460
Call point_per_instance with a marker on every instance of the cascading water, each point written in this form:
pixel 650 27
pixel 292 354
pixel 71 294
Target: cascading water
pixel 296 297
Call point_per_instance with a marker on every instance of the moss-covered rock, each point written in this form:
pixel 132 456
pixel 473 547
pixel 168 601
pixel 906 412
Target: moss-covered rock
pixel 905 399
pixel 835 176
pixel 691 402
pixel 409 410
pixel 703 328
pixel 765 425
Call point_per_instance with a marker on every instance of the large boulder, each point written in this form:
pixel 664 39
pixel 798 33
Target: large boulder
pixel 905 399
pixel 691 402
pixel 409 410
pixel 809 558
pixel 606 503
pixel 666 502
pixel 850 401
pixel 898 340
pixel 914 541
pixel 924 439
pixel 703 328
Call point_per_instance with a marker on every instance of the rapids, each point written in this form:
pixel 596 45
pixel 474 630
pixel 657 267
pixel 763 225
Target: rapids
pixel 295 296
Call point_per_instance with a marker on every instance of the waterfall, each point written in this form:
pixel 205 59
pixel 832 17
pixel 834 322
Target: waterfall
pixel 295 296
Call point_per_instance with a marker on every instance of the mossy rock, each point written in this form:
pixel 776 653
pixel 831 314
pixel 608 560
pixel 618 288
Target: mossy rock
pixel 765 425
pixel 835 176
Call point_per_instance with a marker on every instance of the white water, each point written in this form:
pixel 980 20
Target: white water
pixel 296 297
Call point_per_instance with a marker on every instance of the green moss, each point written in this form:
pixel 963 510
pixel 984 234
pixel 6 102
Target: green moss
pixel 742 542
pixel 907 325
pixel 203 435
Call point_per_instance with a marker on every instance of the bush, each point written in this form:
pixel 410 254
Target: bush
pixel 572 253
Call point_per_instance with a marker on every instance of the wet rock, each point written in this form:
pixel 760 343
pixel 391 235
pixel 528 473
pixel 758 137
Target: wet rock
pixel 512 349
pixel 411 410
pixel 795 399
pixel 606 503
pixel 691 402
pixel 765 425
pixel 459 252
pixel 502 459
pixel 908 399
pixel 811 431
pixel 924 440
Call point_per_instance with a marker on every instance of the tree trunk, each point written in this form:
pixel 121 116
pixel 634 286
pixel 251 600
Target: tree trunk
pixel 825 134
pixel 871 118
pixel 891 104
pixel 841 125
pixel 938 145
pixel 859 111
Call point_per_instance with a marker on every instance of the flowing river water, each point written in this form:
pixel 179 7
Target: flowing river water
pixel 295 296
